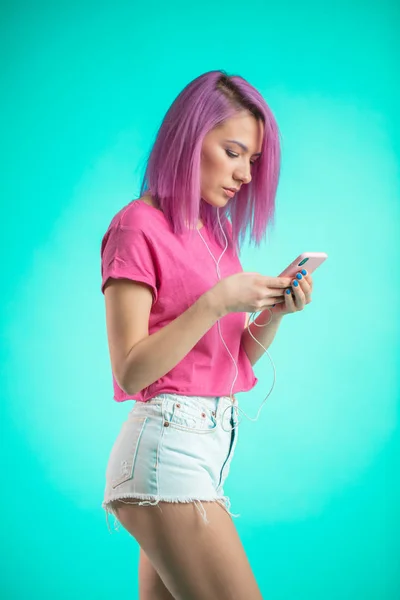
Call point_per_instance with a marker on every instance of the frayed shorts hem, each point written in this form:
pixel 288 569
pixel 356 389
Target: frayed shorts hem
pixel 151 500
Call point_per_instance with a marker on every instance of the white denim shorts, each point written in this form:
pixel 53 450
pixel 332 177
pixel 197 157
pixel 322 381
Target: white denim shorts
pixel 173 448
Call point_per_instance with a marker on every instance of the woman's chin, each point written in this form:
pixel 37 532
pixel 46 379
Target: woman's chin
pixel 217 200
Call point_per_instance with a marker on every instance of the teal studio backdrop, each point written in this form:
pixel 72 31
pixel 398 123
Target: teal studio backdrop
pixel 315 479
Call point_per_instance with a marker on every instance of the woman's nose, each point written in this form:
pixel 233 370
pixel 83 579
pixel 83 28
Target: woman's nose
pixel 244 177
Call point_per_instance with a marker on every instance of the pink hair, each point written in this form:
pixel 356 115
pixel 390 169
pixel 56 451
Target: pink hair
pixel 172 172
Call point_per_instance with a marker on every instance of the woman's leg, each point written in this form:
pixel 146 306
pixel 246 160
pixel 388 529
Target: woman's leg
pixel 151 586
pixel 194 559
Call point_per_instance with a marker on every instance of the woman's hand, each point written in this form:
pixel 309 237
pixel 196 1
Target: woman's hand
pixel 299 295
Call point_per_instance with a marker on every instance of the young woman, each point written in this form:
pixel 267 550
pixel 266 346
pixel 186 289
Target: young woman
pixel 176 301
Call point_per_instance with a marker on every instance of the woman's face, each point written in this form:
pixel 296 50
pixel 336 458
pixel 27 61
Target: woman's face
pixel 225 164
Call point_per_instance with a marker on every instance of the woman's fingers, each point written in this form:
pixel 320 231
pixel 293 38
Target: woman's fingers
pixel 296 294
pixel 272 292
pixel 276 282
pixel 306 285
pixel 299 295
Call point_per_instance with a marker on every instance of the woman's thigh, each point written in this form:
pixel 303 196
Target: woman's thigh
pixel 151 586
pixel 193 559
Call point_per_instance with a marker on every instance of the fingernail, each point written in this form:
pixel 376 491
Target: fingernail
pixel 304 272
pixel 299 276
pixel 288 291
pixel 295 283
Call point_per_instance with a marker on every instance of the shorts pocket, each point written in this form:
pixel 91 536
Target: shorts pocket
pixel 188 415
pixel 121 463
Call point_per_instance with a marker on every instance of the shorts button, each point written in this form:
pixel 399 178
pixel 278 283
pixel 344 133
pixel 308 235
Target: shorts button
pixel 166 424
pixel 203 414
pixel 178 405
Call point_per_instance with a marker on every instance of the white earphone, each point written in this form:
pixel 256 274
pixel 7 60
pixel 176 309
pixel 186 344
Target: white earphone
pixel 219 329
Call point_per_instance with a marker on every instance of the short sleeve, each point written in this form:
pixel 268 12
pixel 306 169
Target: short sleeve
pixel 127 253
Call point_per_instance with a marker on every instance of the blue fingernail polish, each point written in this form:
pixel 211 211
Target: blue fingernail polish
pixel 288 291
pixel 299 276
pixel 304 272
pixel 295 283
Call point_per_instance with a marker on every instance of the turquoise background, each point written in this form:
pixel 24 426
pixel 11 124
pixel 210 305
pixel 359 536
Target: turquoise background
pixel 85 86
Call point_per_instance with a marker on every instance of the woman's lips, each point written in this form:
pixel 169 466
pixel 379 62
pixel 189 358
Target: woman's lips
pixel 229 193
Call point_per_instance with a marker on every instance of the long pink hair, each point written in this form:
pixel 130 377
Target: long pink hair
pixel 172 172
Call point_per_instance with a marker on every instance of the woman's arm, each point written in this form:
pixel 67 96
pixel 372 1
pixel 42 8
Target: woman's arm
pixel 294 302
pixel 265 335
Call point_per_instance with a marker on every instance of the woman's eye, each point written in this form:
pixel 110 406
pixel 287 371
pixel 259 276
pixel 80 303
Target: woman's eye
pixel 233 155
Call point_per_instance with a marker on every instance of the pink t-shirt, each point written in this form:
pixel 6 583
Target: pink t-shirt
pixel 140 245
